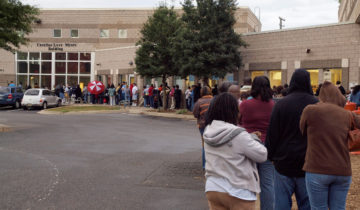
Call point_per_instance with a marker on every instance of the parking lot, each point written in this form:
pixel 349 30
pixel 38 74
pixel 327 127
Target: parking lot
pixel 99 161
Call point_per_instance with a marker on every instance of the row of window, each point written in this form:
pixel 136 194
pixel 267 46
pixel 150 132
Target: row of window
pixel 35 56
pixel 104 33
pixel 36 67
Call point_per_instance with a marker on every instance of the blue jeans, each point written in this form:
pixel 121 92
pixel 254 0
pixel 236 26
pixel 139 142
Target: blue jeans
pixel 151 98
pixel 285 187
pixel 267 176
pixel 203 150
pixel 327 191
pixel 146 100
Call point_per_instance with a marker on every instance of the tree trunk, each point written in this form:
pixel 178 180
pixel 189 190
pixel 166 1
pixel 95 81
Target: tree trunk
pixel 206 81
pixel 164 98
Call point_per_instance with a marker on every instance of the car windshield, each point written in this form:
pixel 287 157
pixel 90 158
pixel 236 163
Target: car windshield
pixel 32 92
pixel 4 90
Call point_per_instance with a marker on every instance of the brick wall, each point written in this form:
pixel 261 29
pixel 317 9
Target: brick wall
pixel 326 43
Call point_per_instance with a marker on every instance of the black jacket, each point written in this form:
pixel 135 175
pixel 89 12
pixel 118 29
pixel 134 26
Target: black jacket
pixel 284 141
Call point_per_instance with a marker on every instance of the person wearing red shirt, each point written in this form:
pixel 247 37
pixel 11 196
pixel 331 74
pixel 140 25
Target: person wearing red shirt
pixel 151 95
pixel 255 116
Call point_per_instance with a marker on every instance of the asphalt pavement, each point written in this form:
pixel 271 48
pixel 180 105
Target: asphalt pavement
pixel 99 161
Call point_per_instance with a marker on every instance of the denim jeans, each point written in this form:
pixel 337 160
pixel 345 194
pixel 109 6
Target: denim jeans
pixel 327 191
pixel 267 176
pixel 146 100
pixel 203 150
pixel 285 187
pixel 151 98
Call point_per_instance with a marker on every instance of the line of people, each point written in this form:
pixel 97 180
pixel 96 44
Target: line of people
pixel 278 148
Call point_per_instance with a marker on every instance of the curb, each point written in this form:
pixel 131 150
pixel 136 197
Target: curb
pixel 4 128
pixel 128 111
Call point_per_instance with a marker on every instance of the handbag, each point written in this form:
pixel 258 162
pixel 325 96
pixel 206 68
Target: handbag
pixel 354 135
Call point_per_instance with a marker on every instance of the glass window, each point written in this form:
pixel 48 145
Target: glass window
pixel 35 67
pixel 60 56
pixel 314 77
pixel 32 92
pixel 46 67
pixel 46 81
pixel 104 33
pixel 73 68
pixel 122 33
pixel 22 79
pixel 85 68
pixel 19 90
pixel 84 81
pixel 22 67
pixel 22 55
pixel 74 33
pixel 336 75
pixel 73 56
pixel 60 68
pixel 57 33
pixel 72 80
pixel 34 81
pixel 34 56
pixel 4 90
pixel 59 80
pixel 12 90
pixel 46 56
pixel 275 78
pixel 85 56
pixel 229 77
pixel 256 73
pixel 46 93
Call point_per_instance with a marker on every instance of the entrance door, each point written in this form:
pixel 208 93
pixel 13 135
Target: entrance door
pixel 275 78
pixel 256 74
pixel 314 77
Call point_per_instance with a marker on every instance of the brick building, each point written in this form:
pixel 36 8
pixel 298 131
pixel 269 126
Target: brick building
pixel 329 52
pixel 74 46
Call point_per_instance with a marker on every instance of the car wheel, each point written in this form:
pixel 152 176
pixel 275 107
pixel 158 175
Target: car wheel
pixel 17 105
pixel 45 105
pixel 58 103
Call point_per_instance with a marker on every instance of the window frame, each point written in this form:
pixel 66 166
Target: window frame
pixel 126 33
pixel 54 33
pixel 74 30
pixel 107 34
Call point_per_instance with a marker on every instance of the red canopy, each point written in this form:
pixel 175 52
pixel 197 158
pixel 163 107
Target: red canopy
pixel 96 87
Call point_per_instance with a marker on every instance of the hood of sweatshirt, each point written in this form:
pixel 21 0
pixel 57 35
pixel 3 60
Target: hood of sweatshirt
pixel 300 82
pixel 219 133
pixel 329 93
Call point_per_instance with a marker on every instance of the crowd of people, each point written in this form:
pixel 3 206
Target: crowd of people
pixel 124 94
pixel 278 142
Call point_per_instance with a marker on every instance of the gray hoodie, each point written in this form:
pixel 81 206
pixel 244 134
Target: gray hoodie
pixel 232 153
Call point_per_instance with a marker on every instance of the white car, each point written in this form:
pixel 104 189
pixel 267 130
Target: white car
pixel 42 98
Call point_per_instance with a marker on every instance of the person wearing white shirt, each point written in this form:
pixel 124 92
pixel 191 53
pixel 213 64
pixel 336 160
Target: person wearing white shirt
pixel 135 93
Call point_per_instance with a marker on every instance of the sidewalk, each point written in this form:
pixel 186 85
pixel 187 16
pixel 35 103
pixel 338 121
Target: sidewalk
pixel 129 110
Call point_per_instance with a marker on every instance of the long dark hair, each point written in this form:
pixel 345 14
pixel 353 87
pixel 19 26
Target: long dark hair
pixel 223 107
pixel 356 89
pixel 261 87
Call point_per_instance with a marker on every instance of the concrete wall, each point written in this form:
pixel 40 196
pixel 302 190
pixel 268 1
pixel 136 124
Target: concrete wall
pixel 331 46
pixel 349 11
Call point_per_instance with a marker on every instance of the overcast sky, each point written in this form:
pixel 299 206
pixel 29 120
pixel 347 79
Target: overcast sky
pixel 297 13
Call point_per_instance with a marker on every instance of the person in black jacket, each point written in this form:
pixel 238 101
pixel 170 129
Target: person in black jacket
pixel 197 92
pixel 341 88
pixel 287 146
pixel 177 96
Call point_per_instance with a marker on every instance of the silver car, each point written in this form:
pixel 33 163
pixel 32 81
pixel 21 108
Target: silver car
pixel 42 98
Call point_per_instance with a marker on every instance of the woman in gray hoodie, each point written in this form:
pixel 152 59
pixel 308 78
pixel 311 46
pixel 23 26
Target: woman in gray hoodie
pixel 232 179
